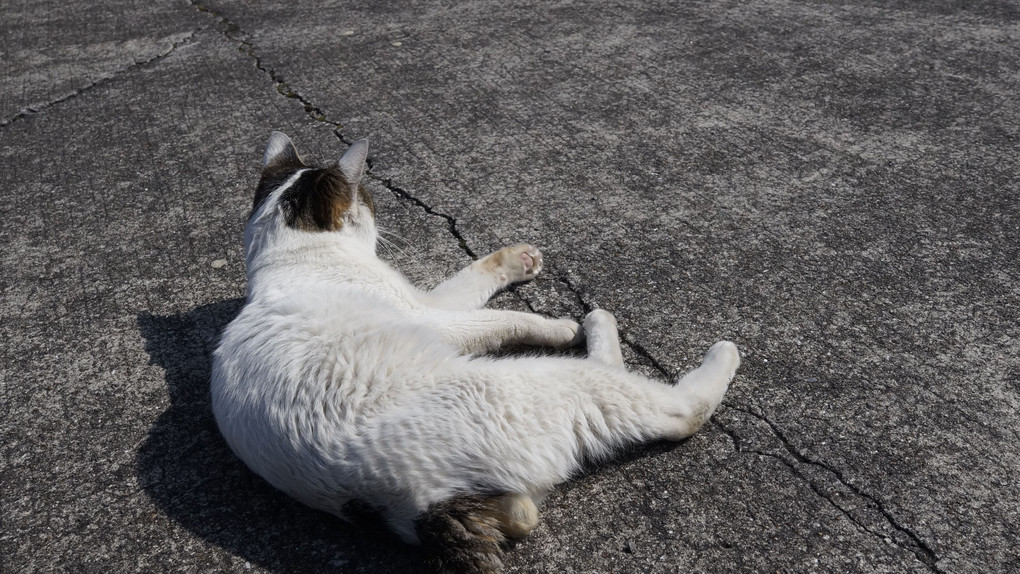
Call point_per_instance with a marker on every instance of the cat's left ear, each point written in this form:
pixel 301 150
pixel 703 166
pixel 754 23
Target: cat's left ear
pixel 280 152
pixel 353 164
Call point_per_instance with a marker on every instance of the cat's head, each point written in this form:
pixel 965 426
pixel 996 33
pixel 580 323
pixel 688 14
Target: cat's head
pixel 311 199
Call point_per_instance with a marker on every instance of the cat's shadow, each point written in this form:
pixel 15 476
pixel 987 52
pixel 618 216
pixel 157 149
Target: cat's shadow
pixel 192 476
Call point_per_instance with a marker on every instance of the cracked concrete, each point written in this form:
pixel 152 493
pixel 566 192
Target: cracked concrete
pixel 833 185
pixel 177 41
pixel 52 53
pixel 450 221
pixel 876 526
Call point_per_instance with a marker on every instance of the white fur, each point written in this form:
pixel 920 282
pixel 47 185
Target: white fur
pixel 340 380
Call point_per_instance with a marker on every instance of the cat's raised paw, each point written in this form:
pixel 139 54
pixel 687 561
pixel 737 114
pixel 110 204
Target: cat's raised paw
pixel 514 264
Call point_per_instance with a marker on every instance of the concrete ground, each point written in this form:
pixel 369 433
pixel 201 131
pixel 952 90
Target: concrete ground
pixel 832 184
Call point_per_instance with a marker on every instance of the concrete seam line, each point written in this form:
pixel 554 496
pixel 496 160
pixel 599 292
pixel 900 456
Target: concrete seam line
pixel 738 447
pixel 522 298
pixel 625 337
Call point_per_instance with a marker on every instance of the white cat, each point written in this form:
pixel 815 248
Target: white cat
pixel 341 382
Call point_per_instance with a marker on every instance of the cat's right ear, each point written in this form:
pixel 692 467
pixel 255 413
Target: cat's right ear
pixel 352 163
pixel 280 152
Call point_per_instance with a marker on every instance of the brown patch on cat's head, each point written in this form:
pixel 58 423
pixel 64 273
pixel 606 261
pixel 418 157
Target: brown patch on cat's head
pixel 313 199
pixel 272 178
pixel 319 200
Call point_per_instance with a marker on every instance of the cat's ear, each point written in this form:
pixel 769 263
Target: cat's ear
pixel 280 152
pixel 353 162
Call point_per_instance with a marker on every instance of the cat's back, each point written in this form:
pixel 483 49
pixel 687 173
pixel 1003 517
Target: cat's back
pixel 315 365
pixel 317 328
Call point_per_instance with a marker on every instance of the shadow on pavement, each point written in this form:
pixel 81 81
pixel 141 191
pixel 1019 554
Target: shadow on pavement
pixel 188 470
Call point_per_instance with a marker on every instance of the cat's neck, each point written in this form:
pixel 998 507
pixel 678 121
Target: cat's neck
pixel 300 258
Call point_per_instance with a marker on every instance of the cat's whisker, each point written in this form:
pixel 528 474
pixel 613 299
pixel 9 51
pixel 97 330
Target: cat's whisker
pixel 398 254
pixel 393 247
pixel 394 236
pixel 410 262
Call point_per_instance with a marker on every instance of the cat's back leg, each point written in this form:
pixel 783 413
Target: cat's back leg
pixel 603 338
pixel 518 515
pixel 665 411
pixel 693 400
pixel 466 533
pixel 702 389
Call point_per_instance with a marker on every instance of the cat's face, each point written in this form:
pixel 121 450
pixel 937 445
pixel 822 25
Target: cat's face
pixel 313 199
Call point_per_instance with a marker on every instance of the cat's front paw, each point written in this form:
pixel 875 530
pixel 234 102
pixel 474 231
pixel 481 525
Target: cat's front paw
pixel 566 333
pixel 514 264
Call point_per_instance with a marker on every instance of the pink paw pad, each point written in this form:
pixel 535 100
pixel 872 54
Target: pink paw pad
pixel 529 262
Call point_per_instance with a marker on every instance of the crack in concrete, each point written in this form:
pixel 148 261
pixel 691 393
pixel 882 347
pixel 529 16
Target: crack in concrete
pixel 639 349
pixel 738 447
pixel 577 294
pixel 625 337
pixel 912 541
pixel 32 110
pixel 233 32
pixel 513 290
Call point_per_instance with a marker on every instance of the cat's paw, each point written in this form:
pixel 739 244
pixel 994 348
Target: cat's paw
pixel 566 333
pixel 725 356
pixel 599 320
pixel 518 515
pixel 514 264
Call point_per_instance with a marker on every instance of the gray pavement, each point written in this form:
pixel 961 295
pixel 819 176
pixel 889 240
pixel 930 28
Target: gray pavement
pixel 834 185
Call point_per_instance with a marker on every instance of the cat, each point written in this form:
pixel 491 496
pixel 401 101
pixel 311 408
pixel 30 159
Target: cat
pixel 341 383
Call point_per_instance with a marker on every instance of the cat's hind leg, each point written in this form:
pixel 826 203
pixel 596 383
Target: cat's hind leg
pixel 465 534
pixel 474 285
pixel 462 534
pixel 631 405
pixel 603 338
pixel 702 390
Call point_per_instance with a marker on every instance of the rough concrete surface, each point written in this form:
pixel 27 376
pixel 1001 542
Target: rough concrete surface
pixel 832 184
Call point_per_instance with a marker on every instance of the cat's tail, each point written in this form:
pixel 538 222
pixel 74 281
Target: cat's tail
pixel 463 534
